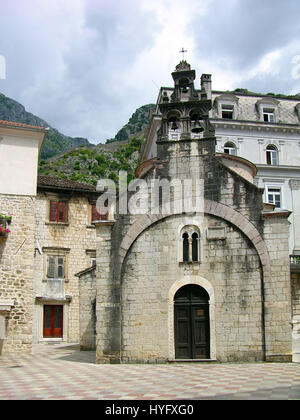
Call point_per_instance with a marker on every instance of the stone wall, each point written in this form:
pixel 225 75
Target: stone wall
pixel 295 280
pixel 152 268
pixel 87 310
pixel 245 270
pixel 277 290
pixel 75 239
pixel 16 274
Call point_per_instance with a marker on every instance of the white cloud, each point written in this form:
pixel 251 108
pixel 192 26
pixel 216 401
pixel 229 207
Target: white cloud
pixel 86 65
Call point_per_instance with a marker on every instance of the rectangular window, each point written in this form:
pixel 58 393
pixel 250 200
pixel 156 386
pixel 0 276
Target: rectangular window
pixel 58 211
pixel 56 267
pixel 274 196
pixel 227 112
pixel 93 261
pixel 97 216
pixel 268 115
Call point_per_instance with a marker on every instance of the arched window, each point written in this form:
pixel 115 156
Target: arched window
pixel 185 244
pixel 190 244
pixel 272 155
pixel 174 125
pixel 229 148
pixel 195 239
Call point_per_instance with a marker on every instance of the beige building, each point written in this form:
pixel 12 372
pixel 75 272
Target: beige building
pixel 19 149
pixel 65 243
pixel 46 236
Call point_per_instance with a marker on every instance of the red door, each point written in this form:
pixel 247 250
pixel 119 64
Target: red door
pixel 53 321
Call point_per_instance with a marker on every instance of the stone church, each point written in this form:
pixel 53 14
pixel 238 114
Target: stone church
pixel 190 285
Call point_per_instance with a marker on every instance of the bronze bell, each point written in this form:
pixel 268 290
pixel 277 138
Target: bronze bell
pixel 174 126
pixel 197 127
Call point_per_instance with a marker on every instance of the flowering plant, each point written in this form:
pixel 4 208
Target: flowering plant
pixel 4 231
pixel 5 219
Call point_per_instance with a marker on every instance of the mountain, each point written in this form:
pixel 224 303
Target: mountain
pixel 75 158
pixel 89 164
pixel 54 143
pixel 136 125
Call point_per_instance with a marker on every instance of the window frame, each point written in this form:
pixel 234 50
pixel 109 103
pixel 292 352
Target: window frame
pixel 277 191
pixel 56 252
pixel 231 147
pixel 230 110
pixel 59 205
pixel 56 267
pixel 187 244
pixel 268 112
pixel 99 216
pixel 272 151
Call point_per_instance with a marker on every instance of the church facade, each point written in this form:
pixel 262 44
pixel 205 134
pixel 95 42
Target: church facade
pixel 204 283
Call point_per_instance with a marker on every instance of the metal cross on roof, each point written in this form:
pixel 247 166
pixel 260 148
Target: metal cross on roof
pixel 182 51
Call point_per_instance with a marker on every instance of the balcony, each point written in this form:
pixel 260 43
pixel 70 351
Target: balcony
pixel 295 263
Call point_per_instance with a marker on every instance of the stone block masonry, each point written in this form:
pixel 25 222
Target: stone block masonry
pixel 16 274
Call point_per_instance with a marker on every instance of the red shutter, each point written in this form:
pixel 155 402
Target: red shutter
pixel 95 214
pixel 53 211
pixel 98 216
pixel 61 212
pixel 57 211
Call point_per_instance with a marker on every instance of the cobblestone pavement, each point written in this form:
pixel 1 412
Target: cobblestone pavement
pixel 61 371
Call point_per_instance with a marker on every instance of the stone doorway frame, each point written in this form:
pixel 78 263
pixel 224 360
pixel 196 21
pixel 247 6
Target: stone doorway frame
pixel 199 281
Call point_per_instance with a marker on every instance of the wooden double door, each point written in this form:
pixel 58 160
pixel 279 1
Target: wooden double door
pixel 191 321
pixel 53 321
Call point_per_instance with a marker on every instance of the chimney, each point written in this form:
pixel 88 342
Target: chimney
pixel 206 86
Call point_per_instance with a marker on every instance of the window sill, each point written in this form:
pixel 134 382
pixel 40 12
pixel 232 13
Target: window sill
pixel 189 262
pixel 90 226
pixel 57 223
pixel 45 280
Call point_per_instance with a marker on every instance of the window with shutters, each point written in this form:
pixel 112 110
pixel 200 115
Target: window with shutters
pixel 58 211
pixel 56 266
pixel 98 216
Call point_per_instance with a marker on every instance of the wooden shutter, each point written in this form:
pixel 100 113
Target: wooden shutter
pixel 98 216
pixel 60 267
pixel 58 211
pixel 95 214
pixel 61 211
pixel 53 206
pixel 51 267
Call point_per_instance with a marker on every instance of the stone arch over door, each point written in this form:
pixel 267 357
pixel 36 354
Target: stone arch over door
pixel 211 208
pixel 206 285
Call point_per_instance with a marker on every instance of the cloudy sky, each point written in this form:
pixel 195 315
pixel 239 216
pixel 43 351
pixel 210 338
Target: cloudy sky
pixel 86 65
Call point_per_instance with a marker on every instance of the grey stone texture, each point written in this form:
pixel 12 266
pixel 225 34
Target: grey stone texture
pixel 87 310
pixel 76 240
pixel 16 273
pixel 247 272
pixel 244 270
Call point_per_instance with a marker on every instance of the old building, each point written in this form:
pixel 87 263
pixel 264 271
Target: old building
pixel 179 283
pixel 46 236
pixel 19 149
pixel 265 130
pixel 64 244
